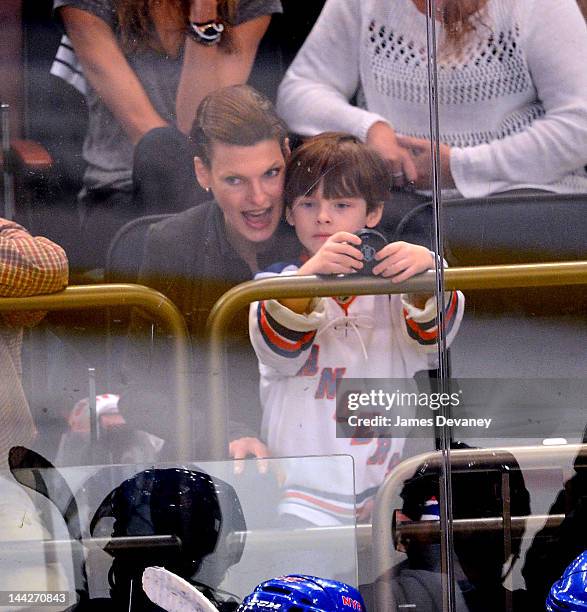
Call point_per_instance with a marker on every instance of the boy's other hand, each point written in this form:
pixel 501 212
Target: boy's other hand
pixel 336 256
pixel 402 260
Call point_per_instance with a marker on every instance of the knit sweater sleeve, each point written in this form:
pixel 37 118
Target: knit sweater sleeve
pixel 314 95
pixel 555 39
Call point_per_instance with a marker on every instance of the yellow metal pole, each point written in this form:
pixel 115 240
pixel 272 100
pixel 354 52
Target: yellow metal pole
pixel 382 538
pixel 478 277
pixel 156 304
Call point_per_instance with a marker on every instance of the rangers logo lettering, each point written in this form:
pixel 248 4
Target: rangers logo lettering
pixel 270 605
pixel 327 383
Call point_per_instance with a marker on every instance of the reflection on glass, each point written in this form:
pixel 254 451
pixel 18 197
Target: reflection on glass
pixel 217 527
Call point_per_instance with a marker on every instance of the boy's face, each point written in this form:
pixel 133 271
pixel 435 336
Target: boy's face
pixel 317 218
pixel 247 183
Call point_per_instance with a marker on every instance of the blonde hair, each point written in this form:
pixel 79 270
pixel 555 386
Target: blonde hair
pixel 460 19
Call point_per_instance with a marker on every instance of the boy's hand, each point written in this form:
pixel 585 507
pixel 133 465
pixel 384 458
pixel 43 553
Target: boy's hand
pixel 336 256
pixel 402 260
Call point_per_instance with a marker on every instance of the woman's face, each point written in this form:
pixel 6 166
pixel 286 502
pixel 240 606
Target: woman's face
pixel 247 183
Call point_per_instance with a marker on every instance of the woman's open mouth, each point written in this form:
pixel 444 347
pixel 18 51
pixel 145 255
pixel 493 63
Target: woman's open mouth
pixel 258 219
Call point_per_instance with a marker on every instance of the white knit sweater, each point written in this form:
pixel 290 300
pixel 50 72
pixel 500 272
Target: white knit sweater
pixel 512 105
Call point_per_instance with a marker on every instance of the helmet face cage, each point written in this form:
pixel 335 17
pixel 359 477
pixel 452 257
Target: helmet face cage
pixel 477 493
pixel 300 593
pixel 173 502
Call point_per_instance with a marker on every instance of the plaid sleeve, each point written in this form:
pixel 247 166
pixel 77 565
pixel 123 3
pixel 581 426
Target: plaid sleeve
pixel 28 266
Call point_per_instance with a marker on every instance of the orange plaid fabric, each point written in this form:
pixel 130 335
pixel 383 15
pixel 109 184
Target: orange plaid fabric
pixel 28 266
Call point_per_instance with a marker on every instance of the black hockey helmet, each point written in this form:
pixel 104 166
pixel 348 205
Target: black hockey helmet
pixel 195 508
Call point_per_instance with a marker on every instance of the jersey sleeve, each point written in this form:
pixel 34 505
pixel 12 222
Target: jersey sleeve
pixel 420 325
pixel 282 339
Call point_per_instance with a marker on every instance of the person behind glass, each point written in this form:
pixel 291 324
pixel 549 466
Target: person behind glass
pixel 28 266
pixel 148 65
pixel 195 256
pixel 335 186
pixel 556 545
pixel 512 92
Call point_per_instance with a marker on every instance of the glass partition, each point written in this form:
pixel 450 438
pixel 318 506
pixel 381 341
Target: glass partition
pixel 479 108
pixel 518 359
pixel 217 524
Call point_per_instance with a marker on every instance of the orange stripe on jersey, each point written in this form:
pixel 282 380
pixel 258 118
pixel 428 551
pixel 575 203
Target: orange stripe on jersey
pixel 283 343
pixel 318 502
pixel 346 304
pixel 431 335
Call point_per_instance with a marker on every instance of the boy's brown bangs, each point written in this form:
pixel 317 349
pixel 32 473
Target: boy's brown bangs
pixel 334 179
pixel 342 166
pixel 344 180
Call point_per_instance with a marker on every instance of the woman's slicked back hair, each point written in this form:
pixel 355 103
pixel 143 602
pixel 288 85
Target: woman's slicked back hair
pixel 236 115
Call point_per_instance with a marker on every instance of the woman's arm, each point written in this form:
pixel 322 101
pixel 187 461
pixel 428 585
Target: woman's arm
pixel 109 73
pixel 555 41
pixel 314 95
pixel 206 69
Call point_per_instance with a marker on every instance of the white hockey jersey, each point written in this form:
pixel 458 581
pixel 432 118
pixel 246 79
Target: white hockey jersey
pixel 301 357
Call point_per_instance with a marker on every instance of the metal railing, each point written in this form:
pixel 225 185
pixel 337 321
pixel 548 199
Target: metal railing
pixel 382 536
pixel 478 277
pixel 470 278
pixel 156 305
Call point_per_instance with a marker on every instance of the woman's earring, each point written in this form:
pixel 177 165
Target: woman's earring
pixel 207 189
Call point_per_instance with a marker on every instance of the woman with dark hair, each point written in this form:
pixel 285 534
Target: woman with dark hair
pixel 512 90
pixel 195 256
pixel 148 64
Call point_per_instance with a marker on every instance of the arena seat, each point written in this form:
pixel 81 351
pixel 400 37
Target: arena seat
pixel 516 229
pixel 125 252
pixel 508 229
pixel 123 262
pixel 25 167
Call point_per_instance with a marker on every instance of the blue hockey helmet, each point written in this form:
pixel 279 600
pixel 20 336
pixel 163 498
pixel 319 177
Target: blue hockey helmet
pixel 299 593
pixel 570 592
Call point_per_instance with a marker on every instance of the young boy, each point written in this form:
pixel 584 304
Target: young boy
pixel 335 186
